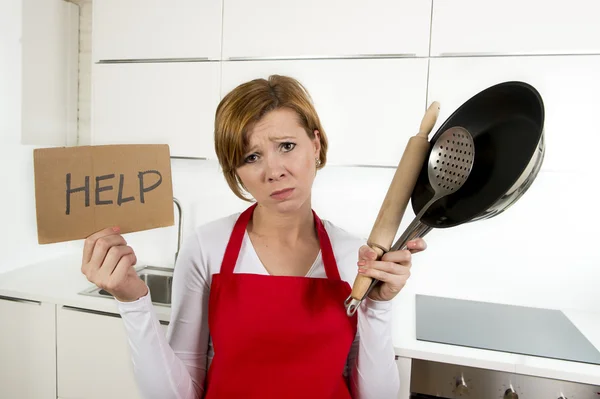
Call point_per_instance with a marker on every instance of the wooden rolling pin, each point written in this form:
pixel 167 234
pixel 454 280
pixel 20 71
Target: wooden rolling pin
pixel 396 200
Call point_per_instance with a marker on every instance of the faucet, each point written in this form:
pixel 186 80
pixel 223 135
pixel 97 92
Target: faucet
pixel 179 230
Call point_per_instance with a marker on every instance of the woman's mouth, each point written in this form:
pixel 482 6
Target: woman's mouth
pixel 282 194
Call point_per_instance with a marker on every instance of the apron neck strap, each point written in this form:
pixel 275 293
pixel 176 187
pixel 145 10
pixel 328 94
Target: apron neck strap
pixel 237 236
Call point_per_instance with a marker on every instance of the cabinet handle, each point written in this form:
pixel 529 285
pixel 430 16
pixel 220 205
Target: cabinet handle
pixel 101 313
pixel 20 300
pixel 153 60
pixel 319 57
pixel 511 54
pixel 98 312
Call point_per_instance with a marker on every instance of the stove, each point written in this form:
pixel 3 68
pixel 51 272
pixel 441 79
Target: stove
pixel 434 380
pixel 507 328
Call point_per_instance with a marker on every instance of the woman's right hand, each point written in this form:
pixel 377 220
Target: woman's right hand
pixel 108 263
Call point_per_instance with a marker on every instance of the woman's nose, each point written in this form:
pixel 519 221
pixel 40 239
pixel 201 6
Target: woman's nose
pixel 275 169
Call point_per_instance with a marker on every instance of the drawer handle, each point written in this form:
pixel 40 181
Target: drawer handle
pixel 320 57
pixel 20 300
pixel 152 60
pixel 101 313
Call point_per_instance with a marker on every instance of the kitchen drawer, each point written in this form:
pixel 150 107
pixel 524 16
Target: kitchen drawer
pixel 27 349
pixel 93 356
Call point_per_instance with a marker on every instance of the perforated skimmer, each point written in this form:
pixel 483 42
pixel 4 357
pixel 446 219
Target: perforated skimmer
pixel 449 166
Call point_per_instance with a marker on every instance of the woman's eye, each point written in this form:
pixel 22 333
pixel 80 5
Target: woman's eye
pixel 288 146
pixel 251 158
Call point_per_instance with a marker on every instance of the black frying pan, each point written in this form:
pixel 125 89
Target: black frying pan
pixel 506 122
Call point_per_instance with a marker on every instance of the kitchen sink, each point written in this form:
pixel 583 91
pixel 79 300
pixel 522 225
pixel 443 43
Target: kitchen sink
pixel 158 279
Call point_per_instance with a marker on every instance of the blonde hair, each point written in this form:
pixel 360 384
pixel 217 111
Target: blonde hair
pixel 246 105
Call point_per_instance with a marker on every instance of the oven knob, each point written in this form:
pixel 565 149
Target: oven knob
pixel 510 394
pixel 461 387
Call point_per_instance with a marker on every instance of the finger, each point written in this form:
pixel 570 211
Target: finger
pixel 90 242
pixel 113 257
pixel 416 245
pixel 393 279
pixel 124 267
pixel 102 246
pixel 403 257
pixel 387 267
pixel 366 253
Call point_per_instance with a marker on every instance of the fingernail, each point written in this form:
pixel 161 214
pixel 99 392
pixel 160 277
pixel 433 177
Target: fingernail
pixel 116 229
pixel 361 263
pixel 361 270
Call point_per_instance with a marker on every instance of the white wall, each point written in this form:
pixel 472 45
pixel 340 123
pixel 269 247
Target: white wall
pixel 540 252
pixel 18 237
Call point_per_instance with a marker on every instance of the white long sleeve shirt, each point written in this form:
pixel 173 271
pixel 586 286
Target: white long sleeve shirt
pixel 175 366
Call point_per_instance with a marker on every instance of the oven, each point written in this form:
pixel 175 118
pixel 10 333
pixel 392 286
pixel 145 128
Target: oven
pixel 438 380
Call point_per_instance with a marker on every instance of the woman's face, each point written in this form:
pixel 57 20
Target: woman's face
pixel 279 167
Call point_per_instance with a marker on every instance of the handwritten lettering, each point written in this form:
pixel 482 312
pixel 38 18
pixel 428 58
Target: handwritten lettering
pixel 144 189
pixel 103 186
pixel 100 189
pixel 70 190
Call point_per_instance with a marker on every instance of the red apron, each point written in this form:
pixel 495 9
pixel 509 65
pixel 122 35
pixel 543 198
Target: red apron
pixel 278 336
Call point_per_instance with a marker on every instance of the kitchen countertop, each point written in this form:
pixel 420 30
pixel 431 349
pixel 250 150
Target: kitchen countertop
pixel 59 281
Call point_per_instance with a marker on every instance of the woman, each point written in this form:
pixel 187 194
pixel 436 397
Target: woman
pixel 258 296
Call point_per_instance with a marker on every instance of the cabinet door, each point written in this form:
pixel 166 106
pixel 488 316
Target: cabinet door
pixel 272 28
pixel 404 365
pixel 93 356
pixel 156 103
pixel 515 27
pixel 368 108
pixel 140 29
pixel 27 349
pixel 568 86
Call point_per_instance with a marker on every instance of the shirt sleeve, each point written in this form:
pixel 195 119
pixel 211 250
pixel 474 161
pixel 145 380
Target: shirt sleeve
pixel 172 366
pixel 372 369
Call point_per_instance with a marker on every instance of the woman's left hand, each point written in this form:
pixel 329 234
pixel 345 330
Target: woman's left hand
pixel 392 270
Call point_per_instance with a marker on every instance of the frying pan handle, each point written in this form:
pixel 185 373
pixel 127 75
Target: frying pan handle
pixel 420 230
pixel 396 200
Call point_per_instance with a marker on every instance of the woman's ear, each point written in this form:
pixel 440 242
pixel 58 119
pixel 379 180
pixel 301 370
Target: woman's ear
pixel 317 143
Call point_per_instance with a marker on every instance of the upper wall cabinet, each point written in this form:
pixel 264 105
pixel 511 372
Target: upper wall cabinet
pixel 138 29
pixel 568 86
pixel 368 108
pixel 324 28
pixel 515 27
pixel 155 103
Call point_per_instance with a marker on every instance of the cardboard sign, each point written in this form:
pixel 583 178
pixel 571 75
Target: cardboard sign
pixel 80 190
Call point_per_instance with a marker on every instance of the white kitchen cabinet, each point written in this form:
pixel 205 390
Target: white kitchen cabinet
pixel 157 103
pixel 27 349
pixel 568 86
pixel 369 108
pixel 515 27
pixel 404 365
pixel 139 29
pixel 93 356
pixel 272 28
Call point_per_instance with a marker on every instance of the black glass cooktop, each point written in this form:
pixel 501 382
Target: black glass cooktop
pixel 507 328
